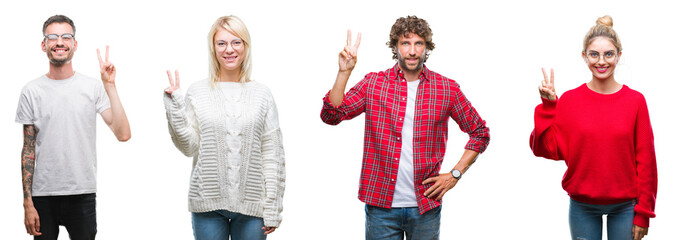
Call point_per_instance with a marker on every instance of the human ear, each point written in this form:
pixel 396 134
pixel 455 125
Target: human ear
pixel 583 55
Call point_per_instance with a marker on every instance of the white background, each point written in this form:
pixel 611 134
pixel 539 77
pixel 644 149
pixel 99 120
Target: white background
pixel 494 49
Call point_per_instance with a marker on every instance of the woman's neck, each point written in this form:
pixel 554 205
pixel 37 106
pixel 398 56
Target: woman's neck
pixel 604 86
pixel 230 76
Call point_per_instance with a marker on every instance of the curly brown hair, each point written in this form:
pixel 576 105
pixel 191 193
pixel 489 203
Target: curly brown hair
pixel 406 25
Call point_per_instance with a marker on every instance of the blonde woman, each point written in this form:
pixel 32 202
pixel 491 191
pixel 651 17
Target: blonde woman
pixel 603 133
pixel 229 124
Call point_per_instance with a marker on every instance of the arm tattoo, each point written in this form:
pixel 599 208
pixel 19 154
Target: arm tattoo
pixel 28 160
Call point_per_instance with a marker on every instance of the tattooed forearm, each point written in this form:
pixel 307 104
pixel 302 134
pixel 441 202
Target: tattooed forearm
pixel 28 160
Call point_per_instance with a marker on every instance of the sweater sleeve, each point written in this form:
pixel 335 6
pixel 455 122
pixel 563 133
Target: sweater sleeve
pixel 273 161
pixel 645 160
pixel 182 123
pixel 543 140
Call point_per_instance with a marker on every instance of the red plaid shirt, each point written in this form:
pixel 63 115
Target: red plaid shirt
pixel 382 96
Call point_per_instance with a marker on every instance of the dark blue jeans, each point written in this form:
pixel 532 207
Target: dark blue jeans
pixel 75 212
pixel 585 220
pixel 393 223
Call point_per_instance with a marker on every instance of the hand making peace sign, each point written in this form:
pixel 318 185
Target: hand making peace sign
pixel 347 58
pixel 174 84
pixel 547 87
pixel 107 69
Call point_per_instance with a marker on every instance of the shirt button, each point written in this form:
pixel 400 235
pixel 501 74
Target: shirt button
pixel 403 99
pixel 398 138
pixel 392 180
pixel 401 119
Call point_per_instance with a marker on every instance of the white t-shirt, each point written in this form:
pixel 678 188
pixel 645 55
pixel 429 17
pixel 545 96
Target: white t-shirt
pixel 404 190
pixel 64 114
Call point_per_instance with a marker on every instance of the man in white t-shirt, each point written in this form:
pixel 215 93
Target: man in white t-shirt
pixel 58 159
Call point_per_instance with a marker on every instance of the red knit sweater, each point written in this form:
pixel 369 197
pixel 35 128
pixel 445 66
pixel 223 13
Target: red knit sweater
pixel 606 140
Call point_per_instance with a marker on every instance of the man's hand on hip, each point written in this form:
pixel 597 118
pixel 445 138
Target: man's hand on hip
pixel 442 184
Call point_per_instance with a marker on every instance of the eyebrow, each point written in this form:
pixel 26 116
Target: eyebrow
pixel 235 39
pixel 604 51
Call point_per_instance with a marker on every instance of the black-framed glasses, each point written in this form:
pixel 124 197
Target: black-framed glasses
pixel 65 36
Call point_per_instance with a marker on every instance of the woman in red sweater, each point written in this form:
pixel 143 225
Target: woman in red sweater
pixel 603 133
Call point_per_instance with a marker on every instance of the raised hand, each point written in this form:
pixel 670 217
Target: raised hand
pixel 347 58
pixel 174 84
pixel 106 68
pixel 547 87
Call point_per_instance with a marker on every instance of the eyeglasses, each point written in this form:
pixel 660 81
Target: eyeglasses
pixel 235 44
pixel 609 56
pixel 54 37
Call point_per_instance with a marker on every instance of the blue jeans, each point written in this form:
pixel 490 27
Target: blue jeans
pixel 220 224
pixel 585 220
pixel 77 213
pixel 388 224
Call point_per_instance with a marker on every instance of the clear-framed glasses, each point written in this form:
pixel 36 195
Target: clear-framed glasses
pixel 65 37
pixel 608 56
pixel 235 44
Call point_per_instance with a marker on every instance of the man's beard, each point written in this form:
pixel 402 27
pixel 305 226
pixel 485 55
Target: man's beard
pixel 59 62
pixel 402 62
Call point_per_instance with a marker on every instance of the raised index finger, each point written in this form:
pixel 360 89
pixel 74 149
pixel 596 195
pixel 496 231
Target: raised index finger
pixel 349 37
pixel 356 45
pixel 545 76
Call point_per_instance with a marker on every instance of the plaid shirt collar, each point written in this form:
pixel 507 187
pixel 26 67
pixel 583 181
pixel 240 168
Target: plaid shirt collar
pixel 396 73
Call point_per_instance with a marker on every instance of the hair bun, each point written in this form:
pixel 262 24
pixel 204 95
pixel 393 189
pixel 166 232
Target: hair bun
pixel 605 20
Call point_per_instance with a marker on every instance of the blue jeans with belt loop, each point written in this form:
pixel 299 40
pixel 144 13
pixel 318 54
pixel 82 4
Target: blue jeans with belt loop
pixel 393 223
pixel 221 224
pixel 585 220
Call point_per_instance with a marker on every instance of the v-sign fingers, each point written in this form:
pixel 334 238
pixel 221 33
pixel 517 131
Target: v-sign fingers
pixel 99 56
pixel 172 82
pixel 107 54
pixel 356 45
pixel 177 78
pixel 552 76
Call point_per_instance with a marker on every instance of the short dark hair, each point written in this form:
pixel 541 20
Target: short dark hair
pixel 59 19
pixel 406 25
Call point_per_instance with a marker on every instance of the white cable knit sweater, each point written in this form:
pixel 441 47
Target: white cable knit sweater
pixel 236 144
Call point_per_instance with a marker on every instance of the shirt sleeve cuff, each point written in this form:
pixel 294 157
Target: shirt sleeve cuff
pixel 641 220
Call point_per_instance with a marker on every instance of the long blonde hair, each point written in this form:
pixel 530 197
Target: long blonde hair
pixel 236 27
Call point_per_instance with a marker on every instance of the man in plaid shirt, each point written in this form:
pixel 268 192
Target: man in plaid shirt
pixel 407 109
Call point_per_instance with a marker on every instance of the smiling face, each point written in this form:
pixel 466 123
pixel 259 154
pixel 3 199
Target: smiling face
pixel 411 52
pixel 601 57
pixel 229 50
pixel 59 51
